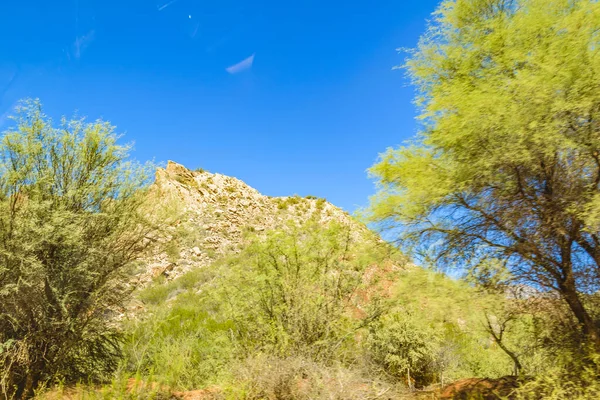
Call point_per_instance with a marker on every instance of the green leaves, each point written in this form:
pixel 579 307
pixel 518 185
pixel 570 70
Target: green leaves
pixel 73 217
pixel 6 345
pixel 507 164
pixel 293 288
pixel 404 344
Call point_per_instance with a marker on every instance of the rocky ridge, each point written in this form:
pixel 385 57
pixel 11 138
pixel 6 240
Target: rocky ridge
pixel 217 211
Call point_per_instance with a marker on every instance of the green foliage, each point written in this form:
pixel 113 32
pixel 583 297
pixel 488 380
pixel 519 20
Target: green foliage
pixel 71 226
pixel 405 346
pixel 172 250
pixel 161 291
pixel 184 339
pixel 184 346
pixel 187 180
pixel 562 381
pixel 290 292
pixel 299 300
pixel 184 235
pixel 320 203
pixel 284 204
pixel 117 389
pixel 506 166
pixel 432 331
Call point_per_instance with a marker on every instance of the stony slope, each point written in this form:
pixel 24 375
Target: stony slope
pixel 216 213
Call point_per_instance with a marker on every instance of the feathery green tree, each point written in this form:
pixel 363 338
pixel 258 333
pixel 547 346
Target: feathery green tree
pixel 294 291
pixel 71 225
pixel 507 166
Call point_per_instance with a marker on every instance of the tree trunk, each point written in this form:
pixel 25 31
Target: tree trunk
pixel 30 385
pixel 516 363
pixel 588 326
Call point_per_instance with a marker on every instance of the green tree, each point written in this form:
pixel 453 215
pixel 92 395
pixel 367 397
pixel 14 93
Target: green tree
pixel 433 328
pixel 405 346
pixel 507 165
pixel 299 290
pixel 71 225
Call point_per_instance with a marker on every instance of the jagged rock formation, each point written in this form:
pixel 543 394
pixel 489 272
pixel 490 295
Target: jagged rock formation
pixel 217 212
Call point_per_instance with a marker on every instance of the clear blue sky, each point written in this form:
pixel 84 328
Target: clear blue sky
pixel 292 97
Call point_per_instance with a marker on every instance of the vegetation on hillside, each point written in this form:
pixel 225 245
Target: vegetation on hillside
pixel 501 188
pixel 504 178
pixel 70 230
pixel 309 302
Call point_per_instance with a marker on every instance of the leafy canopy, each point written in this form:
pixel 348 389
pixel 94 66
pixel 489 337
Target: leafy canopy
pixel 304 291
pixel 507 166
pixel 71 225
pixel 299 290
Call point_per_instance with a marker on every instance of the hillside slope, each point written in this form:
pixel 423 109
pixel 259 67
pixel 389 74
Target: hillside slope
pixel 217 211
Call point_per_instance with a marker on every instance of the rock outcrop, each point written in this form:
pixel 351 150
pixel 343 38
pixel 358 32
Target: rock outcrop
pixel 217 211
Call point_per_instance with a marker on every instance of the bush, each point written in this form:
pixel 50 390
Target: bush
pixel 184 341
pixel 432 330
pixel 71 226
pixel 570 376
pixel 289 293
pixel 320 203
pixel 121 389
pixel 292 292
pixel 285 203
pixel 406 347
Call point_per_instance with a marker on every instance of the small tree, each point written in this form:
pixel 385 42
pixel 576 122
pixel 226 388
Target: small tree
pixel 405 347
pixel 508 164
pixel 296 290
pixel 70 228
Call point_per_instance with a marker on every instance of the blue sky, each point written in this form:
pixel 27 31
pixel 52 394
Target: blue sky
pixel 292 97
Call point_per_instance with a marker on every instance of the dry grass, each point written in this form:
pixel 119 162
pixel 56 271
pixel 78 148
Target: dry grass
pixel 271 378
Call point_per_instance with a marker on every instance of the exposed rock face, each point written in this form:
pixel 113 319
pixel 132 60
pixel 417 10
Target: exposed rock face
pixel 217 211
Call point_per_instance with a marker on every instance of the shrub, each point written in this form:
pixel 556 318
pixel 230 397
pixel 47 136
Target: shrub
pixel 291 292
pixel 433 329
pixel 118 388
pixel 320 203
pixel 569 376
pixel 173 251
pixel 406 347
pixel 71 226
pixel 185 342
pixel 283 204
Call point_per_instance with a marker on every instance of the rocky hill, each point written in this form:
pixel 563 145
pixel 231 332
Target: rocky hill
pixel 218 211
